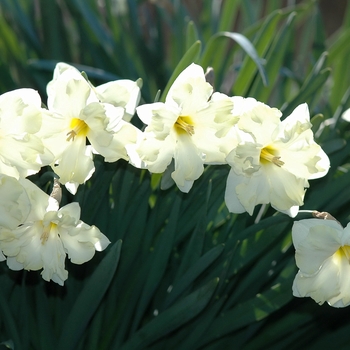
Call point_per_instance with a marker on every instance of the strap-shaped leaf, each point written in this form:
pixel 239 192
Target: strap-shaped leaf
pixel 255 309
pixel 89 299
pixel 242 41
pixel 172 318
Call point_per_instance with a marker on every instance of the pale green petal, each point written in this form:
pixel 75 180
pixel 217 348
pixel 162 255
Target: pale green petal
pixel 190 91
pixel 188 163
pixel 126 135
pixel 156 154
pixel 253 191
pixel 346 115
pixel 286 190
pixel 71 210
pixel 160 119
pixel 25 153
pixel 331 283
pixel 53 258
pixel 231 199
pixel 315 241
pixel 39 200
pixel 20 111
pixel 24 246
pixel 81 242
pixel 76 165
pixel 321 287
pixel 69 95
pixel 121 93
pixel 94 115
pixel 15 204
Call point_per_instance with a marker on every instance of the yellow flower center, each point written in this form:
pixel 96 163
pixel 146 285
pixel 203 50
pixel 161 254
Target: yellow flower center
pixel 344 251
pixel 186 124
pixel 46 232
pixel 268 154
pixel 79 127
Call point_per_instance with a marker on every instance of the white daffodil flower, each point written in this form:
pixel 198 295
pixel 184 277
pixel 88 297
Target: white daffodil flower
pixel 322 254
pixel 47 235
pixel 22 153
pixel 119 93
pixel 183 128
pixel 78 116
pixel 273 160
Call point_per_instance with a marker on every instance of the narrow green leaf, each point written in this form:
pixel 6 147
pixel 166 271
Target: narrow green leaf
pixel 173 318
pixel 10 322
pixel 274 60
pixel 228 12
pixel 47 337
pixel 261 43
pixel 332 146
pixel 89 299
pixel 242 41
pixel 157 262
pixel 253 310
pixel 104 37
pixel 191 34
pixel 312 85
pixel 192 273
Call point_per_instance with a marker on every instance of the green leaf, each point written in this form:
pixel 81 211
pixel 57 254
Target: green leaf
pixel 253 310
pixel 229 9
pixel 242 41
pixel 192 273
pixel 333 146
pixel 274 60
pixel 171 319
pixel 312 85
pixel 157 262
pixel 89 299
pixel 191 35
pixel 103 36
pixel 262 42
pixel 10 323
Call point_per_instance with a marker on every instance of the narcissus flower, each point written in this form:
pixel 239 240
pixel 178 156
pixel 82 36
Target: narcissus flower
pixel 184 128
pixel 22 153
pixel 79 116
pixel 47 235
pixel 119 93
pixel 322 254
pixel 273 160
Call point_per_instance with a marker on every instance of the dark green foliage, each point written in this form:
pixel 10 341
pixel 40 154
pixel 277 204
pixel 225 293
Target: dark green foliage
pixel 181 272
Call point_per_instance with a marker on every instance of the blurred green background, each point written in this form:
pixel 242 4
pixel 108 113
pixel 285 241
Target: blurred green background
pixel 182 272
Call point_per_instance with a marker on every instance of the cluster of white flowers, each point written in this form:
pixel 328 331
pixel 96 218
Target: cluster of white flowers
pixel 271 161
pixel 323 257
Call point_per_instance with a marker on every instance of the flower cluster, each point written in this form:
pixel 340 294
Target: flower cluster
pixel 270 160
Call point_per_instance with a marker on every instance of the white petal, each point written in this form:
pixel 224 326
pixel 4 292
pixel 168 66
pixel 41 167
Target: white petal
pixel 124 93
pixel 14 202
pixel 188 163
pixel 346 115
pixel 231 199
pixel 76 165
pixel 82 241
pixel 190 91
pixel 20 111
pixel 126 135
pixel 315 241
